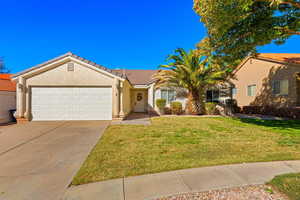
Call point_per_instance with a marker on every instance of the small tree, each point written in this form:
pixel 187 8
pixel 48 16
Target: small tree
pixel 3 69
pixel 192 71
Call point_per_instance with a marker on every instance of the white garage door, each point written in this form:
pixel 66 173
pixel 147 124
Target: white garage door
pixel 71 103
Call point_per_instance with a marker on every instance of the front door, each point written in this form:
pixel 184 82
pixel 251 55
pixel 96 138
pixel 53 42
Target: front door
pixel 139 101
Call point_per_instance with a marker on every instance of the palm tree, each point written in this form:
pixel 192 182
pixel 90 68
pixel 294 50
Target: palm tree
pixel 192 71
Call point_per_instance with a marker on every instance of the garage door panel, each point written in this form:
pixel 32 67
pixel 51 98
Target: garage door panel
pixel 71 103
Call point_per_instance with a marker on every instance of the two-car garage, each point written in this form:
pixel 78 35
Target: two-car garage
pixel 71 103
pixel 69 88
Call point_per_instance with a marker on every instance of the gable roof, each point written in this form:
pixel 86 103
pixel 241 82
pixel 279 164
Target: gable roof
pixel 69 54
pixel 138 77
pixel 6 84
pixel 282 57
pixel 286 58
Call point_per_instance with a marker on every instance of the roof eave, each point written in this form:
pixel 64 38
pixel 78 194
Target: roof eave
pixel 68 55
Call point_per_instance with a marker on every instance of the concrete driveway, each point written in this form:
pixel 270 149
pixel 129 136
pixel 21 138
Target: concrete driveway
pixel 39 159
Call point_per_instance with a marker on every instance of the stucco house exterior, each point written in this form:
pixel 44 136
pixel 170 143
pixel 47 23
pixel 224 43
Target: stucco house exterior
pixel 268 79
pixel 7 97
pixel 70 87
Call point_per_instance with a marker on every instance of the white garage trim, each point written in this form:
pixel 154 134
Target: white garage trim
pixel 71 103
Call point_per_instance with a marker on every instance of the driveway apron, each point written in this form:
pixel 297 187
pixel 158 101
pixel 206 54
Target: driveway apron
pixel 39 159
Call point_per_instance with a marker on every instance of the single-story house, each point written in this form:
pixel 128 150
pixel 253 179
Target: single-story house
pixel 268 79
pixel 7 97
pixel 70 87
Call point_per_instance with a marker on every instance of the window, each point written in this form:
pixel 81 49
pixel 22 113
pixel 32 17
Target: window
pixel 212 95
pixel 280 87
pixel 168 95
pixel 234 91
pixel 251 90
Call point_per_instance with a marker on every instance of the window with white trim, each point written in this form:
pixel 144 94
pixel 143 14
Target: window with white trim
pixel 234 91
pixel 168 95
pixel 251 90
pixel 280 87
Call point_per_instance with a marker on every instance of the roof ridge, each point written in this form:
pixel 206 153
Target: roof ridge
pixel 281 57
pixel 69 53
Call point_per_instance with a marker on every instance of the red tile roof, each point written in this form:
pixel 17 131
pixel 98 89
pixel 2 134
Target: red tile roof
pixel 6 84
pixel 138 77
pixel 282 57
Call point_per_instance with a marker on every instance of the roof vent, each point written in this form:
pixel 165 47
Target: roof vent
pixel 70 67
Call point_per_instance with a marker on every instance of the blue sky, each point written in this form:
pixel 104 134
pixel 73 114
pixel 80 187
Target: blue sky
pixel 133 34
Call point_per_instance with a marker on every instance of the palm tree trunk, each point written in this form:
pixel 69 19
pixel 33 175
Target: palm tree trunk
pixel 195 105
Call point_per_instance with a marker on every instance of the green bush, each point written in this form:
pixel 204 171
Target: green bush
pixel 292 112
pixel 167 111
pixel 161 103
pixel 211 108
pixel 176 108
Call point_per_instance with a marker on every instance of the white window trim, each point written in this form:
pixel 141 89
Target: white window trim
pixel 247 90
pixel 236 91
pixel 280 88
pixel 167 100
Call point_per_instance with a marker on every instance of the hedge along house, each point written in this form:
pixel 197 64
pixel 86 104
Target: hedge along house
pixel 268 79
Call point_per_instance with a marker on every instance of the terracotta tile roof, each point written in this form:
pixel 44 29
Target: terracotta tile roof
pixel 5 76
pixel 282 57
pixel 6 84
pixel 138 77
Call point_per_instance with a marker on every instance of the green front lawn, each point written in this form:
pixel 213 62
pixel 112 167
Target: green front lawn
pixel 188 142
pixel 288 184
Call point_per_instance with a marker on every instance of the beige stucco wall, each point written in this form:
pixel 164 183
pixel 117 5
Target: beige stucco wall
pixel 263 73
pixel 7 102
pixel 58 75
pixel 127 107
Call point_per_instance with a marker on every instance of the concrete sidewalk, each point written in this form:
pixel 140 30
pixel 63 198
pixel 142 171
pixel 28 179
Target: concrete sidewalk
pixel 182 181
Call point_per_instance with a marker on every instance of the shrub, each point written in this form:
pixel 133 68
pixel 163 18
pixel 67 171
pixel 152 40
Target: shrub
pixel 291 112
pixel 161 103
pixel 211 108
pixel 176 108
pixel 232 104
pixel 167 111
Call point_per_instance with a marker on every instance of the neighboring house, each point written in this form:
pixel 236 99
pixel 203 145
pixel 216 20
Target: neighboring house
pixel 268 79
pixel 7 97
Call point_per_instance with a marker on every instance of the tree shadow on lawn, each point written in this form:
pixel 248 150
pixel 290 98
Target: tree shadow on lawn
pixel 274 124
